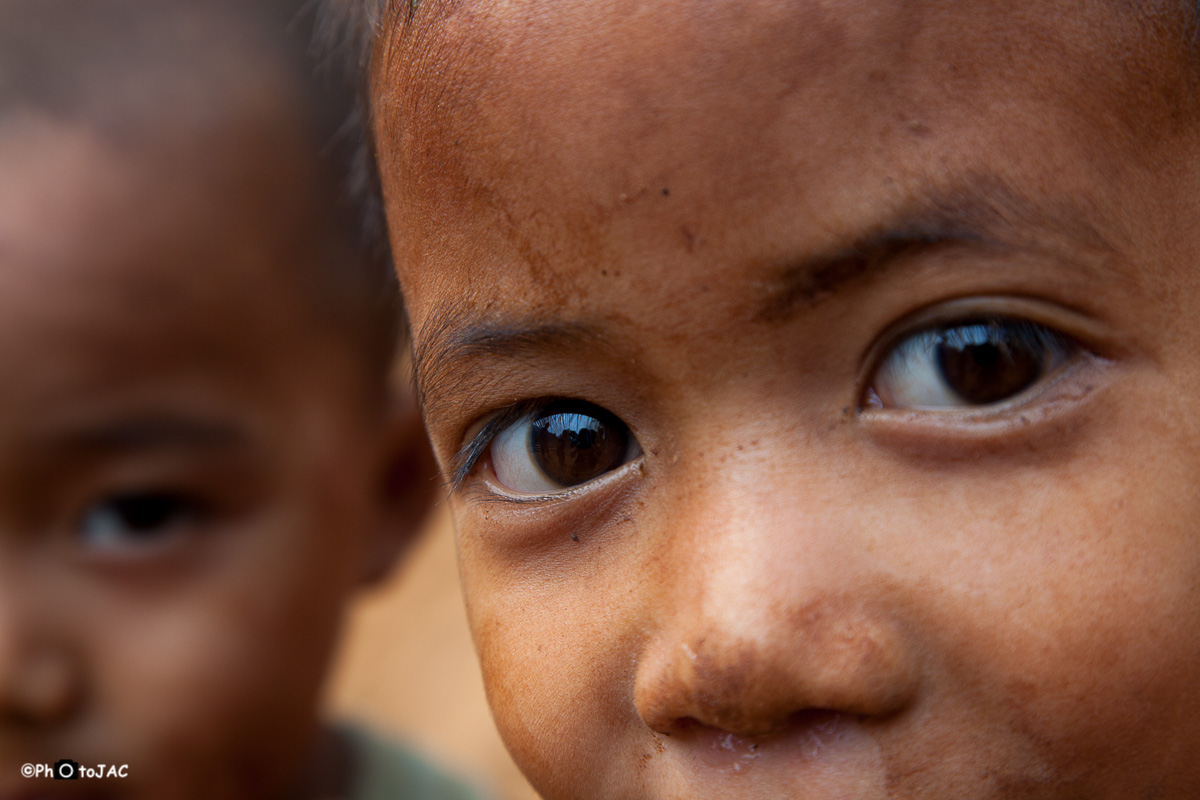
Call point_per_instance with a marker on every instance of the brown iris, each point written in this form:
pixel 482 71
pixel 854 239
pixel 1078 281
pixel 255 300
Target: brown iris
pixel 574 442
pixel 989 361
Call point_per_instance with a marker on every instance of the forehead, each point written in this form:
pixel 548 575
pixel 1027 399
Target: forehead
pixel 115 262
pixel 563 121
pixel 69 186
pixel 600 56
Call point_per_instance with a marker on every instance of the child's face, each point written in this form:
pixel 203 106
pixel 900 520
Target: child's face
pixel 188 485
pixel 876 470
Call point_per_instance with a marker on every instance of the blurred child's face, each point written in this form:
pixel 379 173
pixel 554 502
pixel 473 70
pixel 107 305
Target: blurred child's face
pixel 187 486
pixel 823 382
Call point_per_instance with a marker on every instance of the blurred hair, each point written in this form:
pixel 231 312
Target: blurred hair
pixel 126 67
pixel 340 35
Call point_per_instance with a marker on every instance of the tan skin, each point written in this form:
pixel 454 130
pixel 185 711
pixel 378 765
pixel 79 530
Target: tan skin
pixel 193 475
pixel 819 563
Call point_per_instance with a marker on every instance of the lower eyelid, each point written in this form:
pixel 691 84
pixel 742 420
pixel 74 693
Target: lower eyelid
pixel 488 489
pixel 1041 412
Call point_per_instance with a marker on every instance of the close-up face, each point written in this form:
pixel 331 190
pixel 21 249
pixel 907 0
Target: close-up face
pixel 187 467
pixel 818 382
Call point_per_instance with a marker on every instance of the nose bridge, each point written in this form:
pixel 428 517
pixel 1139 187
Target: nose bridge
pixel 773 607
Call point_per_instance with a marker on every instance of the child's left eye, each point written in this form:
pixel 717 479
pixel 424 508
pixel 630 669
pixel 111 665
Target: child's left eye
pixel 567 443
pixel 135 519
pixel 971 363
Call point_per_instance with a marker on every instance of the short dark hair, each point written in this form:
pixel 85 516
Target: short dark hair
pixel 116 66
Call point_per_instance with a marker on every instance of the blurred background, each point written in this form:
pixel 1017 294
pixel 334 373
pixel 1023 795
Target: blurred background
pixel 407 669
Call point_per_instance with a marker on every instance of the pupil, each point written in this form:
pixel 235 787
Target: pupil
pixel 989 362
pixel 573 447
pixel 146 512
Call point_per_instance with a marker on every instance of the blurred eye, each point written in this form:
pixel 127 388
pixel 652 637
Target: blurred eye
pixel 565 444
pixel 136 519
pixel 971 363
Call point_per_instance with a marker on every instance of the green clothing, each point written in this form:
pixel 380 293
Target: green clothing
pixel 385 771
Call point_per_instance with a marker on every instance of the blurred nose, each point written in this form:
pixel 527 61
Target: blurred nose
pixel 39 684
pixel 772 610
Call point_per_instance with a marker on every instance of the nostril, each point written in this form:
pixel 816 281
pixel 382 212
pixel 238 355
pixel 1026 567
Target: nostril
pixel 841 660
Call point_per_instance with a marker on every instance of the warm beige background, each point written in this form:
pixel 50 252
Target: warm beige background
pixel 407 668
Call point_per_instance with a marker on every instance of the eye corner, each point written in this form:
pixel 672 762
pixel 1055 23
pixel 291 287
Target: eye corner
pixel 136 523
pixel 546 449
pixel 489 490
pixel 1050 415
pixel 478 437
pixel 963 359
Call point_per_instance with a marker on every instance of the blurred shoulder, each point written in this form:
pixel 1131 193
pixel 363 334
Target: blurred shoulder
pixel 386 770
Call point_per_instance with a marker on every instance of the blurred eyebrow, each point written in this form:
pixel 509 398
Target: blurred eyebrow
pixel 982 211
pixel 150 433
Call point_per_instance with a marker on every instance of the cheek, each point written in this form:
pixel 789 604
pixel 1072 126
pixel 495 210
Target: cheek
pixel 1054 602
pixel 1066 613
pixel 205 709
pixel 558 647
pixel 210 689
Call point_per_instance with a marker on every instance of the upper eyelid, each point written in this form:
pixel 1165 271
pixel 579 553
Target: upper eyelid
pixel 1077 328
pixel 1046 334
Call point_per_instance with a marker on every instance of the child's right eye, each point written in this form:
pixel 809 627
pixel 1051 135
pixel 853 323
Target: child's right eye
pixel 566 443
pixel 136 519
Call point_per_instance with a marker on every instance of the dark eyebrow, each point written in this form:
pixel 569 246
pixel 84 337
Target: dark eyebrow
pixel 154 432
pixel 404 12
pixel 454 335
pixel 982 211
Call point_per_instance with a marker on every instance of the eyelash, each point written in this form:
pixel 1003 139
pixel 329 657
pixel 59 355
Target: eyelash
pixel 468 456
pixel 1012 333
pixel 140 522
pixel 470 453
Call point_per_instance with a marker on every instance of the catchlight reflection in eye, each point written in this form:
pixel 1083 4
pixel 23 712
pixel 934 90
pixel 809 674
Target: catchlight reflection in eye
pixel 967 364
pixel 568 443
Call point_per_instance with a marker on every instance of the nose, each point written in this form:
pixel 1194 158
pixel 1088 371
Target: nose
pixel 39 684
pixel 771 611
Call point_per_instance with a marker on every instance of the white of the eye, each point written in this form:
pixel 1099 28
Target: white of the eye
pixel 911 378
pixel 103 527
pixel 513 461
